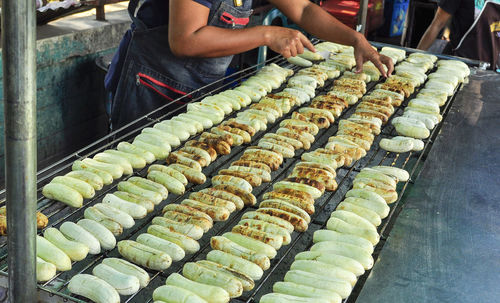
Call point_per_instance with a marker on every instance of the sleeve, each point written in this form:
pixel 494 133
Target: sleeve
pixel 207 3
pixel 450 6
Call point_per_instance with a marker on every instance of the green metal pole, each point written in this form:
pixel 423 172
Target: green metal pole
pixel 19 84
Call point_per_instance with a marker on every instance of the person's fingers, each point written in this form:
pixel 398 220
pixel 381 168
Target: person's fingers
pixel 359 62
pixel 378 64
pixel 388 62
pixel 293 48
pixel 306 43
pixel 299 46
pixel 286 53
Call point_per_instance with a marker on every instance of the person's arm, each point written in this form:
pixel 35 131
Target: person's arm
pixel 190 36
pixel 320 23
pixel 439 21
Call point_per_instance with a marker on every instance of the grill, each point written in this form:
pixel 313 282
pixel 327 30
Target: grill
pixel 56 288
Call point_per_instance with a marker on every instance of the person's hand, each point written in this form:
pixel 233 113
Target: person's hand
pixel 287 42
pixel 363 52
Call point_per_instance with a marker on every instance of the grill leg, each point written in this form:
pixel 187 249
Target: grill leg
pixel 19 82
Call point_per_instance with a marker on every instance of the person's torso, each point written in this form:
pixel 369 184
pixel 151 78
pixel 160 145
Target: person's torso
pixel 467 12
pixel 197 72
pixel 461 21
pixel 150 75
pixel 155 12
pixel 482 40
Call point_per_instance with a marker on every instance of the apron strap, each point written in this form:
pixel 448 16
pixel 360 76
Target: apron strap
pixel 132 7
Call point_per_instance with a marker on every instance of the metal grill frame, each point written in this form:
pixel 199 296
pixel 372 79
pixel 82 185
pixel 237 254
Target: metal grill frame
pixel 410 161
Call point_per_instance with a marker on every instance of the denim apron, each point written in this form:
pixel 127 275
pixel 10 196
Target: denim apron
pixel 152 76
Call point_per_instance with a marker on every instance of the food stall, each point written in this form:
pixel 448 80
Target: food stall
pixel 308 152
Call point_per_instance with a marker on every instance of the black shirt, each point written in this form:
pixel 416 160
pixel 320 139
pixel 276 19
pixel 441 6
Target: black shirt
pixel 462 12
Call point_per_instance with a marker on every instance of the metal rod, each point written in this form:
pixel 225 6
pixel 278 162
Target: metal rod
pixel 364 12
pixel 19 83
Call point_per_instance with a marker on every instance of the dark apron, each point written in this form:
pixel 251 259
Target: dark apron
pixel 152 76
pixel 482 40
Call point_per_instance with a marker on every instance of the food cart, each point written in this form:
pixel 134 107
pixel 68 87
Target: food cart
pixel 436 210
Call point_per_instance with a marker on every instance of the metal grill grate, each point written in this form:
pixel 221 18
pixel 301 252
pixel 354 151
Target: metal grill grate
pixel 58 213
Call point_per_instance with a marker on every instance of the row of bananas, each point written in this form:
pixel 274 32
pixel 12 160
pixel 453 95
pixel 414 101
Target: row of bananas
pixel 254 241
pixel 423 112
pixel 329 271
pixel 175 234
pixel 240 257
pixel 342 252
pixel 137 196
